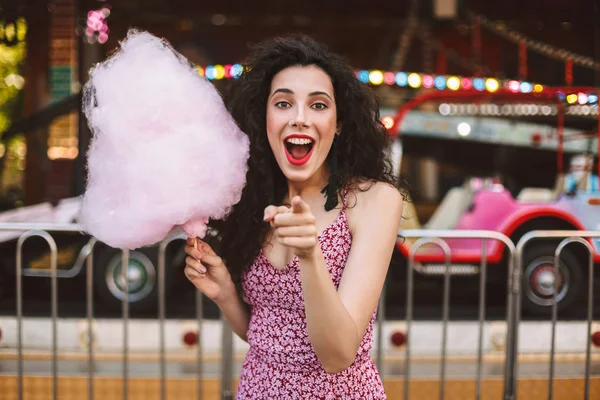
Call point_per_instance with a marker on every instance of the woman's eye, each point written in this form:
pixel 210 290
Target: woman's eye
pixel 282 104
pixel 319 106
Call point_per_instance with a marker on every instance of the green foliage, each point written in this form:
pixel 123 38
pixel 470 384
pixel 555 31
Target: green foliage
pixel 11 81
pixel 12 153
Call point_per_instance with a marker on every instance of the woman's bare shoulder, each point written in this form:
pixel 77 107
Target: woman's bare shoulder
pixel 369 192
pixel 369 198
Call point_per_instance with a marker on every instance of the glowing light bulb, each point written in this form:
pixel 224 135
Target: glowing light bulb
pixel 376 77
pixel 440 82
pixel 228 71
pixel 236 71
pixel 219 71
pixel 388 122
pixel 466 83
pixel 363 76
pixel 572 98
pixel 102 37
pixel 514 86
pixel 414 80
pixel 389 78
pixel 537 88
pixel 463 129
pixel 453 83
pixel 444 109
pixel 526 87
pixel 210 72
pixel 427 81
pixel 491 84
pixel 479 84
pixel 401 79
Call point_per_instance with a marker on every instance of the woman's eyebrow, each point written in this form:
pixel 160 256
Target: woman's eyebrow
pixel 282 90
pixel 311 94
pixel 319 93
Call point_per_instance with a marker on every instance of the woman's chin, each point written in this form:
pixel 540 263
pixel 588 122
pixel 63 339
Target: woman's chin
pixel 296 176
pixel 295 173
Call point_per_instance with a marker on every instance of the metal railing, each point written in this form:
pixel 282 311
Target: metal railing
pixel 41 230
pixel 437 238
pixel 568 238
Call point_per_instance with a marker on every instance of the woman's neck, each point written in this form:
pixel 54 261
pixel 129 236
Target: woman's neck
pixel 308 190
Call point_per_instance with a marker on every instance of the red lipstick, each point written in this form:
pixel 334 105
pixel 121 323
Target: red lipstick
pixel 298 161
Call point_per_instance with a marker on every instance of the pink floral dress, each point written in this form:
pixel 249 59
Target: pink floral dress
pixel 281 363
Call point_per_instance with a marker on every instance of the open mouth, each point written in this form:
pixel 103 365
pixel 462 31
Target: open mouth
pixel 298 149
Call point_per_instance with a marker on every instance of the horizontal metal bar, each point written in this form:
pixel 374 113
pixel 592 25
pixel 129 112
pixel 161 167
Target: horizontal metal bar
pixel 40 226
pixel 555 235
pixel 446 233
pixel 408 233
pixel 455 234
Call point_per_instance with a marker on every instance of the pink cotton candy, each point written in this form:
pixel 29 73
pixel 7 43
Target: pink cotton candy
pixel 165 151
pixel 196 227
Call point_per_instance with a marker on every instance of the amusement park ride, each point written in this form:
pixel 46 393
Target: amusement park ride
pixel 485 204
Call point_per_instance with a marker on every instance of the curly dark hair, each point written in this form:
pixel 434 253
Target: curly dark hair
pixel 361 146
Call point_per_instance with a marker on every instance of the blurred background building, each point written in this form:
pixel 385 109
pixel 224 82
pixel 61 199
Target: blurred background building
pixel 47 47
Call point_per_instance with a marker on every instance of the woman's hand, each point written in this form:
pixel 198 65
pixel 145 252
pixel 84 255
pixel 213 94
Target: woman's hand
pixel 294 227
pixel 207 271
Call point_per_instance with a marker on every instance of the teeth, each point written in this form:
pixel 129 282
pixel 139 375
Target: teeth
pixel 299 141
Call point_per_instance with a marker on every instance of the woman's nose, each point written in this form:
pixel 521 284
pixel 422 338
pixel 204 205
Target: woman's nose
pixel 301 119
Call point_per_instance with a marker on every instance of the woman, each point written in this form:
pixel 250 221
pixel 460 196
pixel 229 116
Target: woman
pixel 308 245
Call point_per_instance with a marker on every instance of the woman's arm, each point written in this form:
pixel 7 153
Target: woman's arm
pixel 337 319
pixel 206 270
pixel 236 314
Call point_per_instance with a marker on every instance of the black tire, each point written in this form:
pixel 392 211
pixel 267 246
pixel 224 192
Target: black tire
pixel 538 279
pixel 143 295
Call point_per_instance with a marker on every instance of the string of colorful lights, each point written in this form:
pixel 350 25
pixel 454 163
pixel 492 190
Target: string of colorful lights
pixel 416 80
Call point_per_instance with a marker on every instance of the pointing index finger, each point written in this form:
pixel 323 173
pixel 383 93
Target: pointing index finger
pixel 299 205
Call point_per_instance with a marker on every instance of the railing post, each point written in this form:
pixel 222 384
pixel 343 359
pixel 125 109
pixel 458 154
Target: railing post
pixel 90 315
pixel 226 362
pixel 54 307
pixel 162 249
